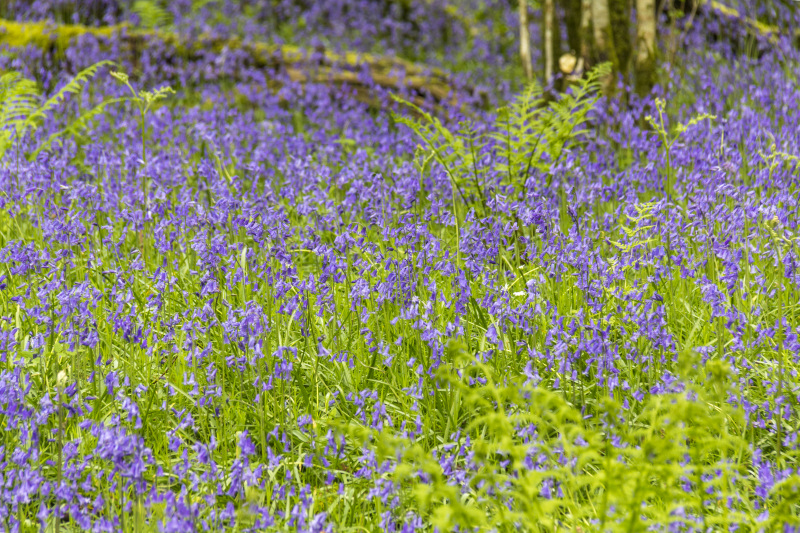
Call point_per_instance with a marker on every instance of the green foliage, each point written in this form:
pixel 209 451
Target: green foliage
pixel 679 462
pixel 456 150
pixel 18 100
pixel 144 101
pixel 532 133
pixel 77 127
pixel 75 85
pixel 669 139
pixel 20 114
pixel 151 14
pixel 775 158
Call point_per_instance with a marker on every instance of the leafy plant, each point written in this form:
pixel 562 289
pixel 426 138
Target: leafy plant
pixel 151 14
pixel 531 133
pixel 680 459
pixel 18 100
pixel 77 127
pixel 20 114
pixel 668 139
pixel 455 149
pixel 144 101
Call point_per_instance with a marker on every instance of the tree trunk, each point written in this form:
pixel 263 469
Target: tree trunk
pixel 603 42
pixel 645 46
pixel 620 15
pixel 556 34
pixel 573 14
pixel 586 52
pixel 548 38
pixel 525 40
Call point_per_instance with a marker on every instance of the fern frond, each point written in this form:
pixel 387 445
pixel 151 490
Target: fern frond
pixel 151 14
pixel 20 110
pixel 76 127
pixel 530 133
pixel 74 86
pixel 519 130
pixel 442 143
pixel 19 97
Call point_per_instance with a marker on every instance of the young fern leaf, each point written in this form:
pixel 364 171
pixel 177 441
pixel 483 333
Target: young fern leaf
pixel 20 111
pixel 18 99
pixel 458 151
pixel 528 134
pixel 530 129
pixel 76 127
pixel 151 14
pixel 74 86
pixel 519 131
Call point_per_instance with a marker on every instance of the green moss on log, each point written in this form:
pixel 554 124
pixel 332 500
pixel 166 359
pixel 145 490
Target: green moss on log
pixel 328 67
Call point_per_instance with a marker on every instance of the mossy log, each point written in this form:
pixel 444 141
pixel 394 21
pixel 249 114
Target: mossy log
pixel 287 61
pixel 754 27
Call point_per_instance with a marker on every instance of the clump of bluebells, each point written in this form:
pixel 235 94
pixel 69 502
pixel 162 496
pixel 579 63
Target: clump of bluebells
pixel 249 310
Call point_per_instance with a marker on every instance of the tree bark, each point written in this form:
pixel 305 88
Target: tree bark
pixel 525 40
pixel 645 46
pixel 557 24
pixel 548 38
pixel 572 17
pixel 601 22
pixel 620 16
pixel 587 46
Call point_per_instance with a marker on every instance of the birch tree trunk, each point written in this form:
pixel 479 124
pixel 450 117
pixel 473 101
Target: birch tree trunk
pixel 645 45
pixel 620 15
pixel 525 40
pixel 586 52
pixel 557 45
pixel 601 22
pixel 548 32
pixel 573 16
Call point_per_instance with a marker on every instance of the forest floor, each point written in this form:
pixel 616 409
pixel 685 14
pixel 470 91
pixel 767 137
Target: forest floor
pixel 335 268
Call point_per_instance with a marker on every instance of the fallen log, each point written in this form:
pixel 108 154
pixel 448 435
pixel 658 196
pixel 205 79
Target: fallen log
pixel 363 72
pixel 754 27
